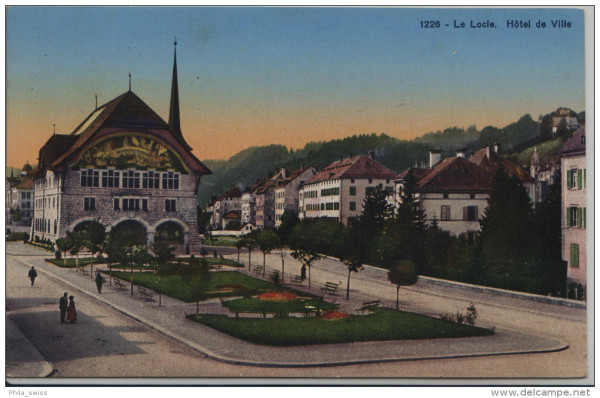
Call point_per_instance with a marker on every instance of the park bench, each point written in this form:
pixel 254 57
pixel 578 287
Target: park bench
pixel 297 280
pixel 217 267
pixel 309 309
pixel 368 306
pixel 83 271
pixel 330 288
pixel 145 294
pixel 258 269
pixel 120 285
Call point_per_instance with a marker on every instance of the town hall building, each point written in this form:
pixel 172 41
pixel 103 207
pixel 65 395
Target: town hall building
pixel 125 167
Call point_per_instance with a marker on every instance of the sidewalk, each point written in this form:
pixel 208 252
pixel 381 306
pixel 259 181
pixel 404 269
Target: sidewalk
pixel 23 360
pixel 169 319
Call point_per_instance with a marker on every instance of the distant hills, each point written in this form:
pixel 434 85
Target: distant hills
pixel 245 167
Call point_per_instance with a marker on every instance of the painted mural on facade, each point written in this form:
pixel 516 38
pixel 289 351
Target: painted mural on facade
pixel 131 152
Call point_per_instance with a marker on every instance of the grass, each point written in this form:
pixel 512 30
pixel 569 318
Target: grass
pixel 545 150
pixel 383 324
pixel 70 262
pixel 255 305
pixel 228 241
pixel 216 261
pixel 219 284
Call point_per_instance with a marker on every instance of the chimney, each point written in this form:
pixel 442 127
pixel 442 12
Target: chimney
pixel 341 157
pixel 496 147
pixel 435 155
pixel 487 152
pixel 372 155
pixel 460 153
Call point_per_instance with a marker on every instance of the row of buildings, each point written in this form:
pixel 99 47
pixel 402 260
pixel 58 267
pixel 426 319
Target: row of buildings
pixel 126 167
pixel 453 191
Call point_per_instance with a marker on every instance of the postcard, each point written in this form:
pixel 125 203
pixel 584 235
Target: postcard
pixel 299 196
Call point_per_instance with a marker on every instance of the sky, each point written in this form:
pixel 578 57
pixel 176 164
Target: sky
pixel 269 75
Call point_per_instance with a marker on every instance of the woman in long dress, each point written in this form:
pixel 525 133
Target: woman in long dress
pixel 71 311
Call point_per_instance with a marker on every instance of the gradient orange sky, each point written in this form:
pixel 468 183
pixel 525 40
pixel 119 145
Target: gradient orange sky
pixel 259 76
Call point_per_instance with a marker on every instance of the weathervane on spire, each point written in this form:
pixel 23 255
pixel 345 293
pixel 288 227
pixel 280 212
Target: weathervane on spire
pixel 129 81
pixel 54 128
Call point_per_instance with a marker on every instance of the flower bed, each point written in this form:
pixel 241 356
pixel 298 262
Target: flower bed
pixel 334 315
pixel 277 296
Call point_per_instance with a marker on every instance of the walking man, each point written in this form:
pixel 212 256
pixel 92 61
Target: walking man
pixel 63 307
pixel 32 275
pixel 99 282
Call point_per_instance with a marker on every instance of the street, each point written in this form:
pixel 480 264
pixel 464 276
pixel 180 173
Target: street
pixel 108 343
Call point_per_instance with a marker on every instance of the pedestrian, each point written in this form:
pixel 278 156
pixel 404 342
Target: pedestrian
pixel 71 311
pixel 63 307
pixel 32 275
pixel 303 272
pixel 99 282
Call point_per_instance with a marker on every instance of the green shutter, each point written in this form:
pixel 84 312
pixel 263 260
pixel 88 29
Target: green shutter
pixel 568 178
pixel 579 178
pixel 584 178
pixel 568 220
pixel 584 217
pixel 579 217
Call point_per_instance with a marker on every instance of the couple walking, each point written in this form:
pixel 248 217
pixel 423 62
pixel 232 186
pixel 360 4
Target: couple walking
pixel 67 310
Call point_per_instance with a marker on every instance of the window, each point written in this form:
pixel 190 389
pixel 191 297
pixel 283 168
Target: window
pixel 352 180
pixel 472 196
pixel 352 206
pixel 369 190
pixel 370 180
pixel 116 204
pixel 90 178
pixel 131 179
pixel 352 191
pixel 574 216
pixel 574 178
pixel 574 255
pixel 445 213
pixel 322 206
pixel 170 180
pixel 150 179
pixel 54 227
pixel 89 203
pixel 170 205
pixel 470 213
pixel 110 178
pixel 445 196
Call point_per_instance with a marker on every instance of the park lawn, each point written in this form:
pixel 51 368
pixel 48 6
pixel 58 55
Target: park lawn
pixel 228 241
pixel 70 262
pixel 218 284
pixel 382 324
pixel 255 305
pixel 215 261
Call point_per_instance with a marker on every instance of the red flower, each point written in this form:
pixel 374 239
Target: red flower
pixel 334 315
pixel 277 296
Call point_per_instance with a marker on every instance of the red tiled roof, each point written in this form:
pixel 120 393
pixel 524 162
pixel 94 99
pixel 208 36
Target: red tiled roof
pixel 232 193
pixel 294 175
pixel 576 144
pixel 127 111
pixel 54 148
pixel 456 174
pixel 357 167
pixel 494 162
pixel 25 184
pixel 232 215
pixel 418 172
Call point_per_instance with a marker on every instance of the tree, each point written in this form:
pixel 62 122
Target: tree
pixel 288 221
pixel 562 130
pixel 77 240
pixel 94 237
pixel 403 274
pixel 115 251
pixel 352 253
pixel 250 243
pixel 552 270
pixel 505 242
pixel 267 240
pixel 195 275
pixel 162 253
pixel 307 258
pixel 376 209
pixel 15 214
pixel 239 244
pixel 138 256
pixel 64 244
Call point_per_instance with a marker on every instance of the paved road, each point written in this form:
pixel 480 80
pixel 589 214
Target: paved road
pixel 107 343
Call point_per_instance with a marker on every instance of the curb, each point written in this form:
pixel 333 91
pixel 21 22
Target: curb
pixel 36 366
pixel 235 361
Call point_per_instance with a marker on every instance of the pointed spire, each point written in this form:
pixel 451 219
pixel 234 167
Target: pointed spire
pixel 129 81
pixel 54 129
pixel 174 108
pixel 96 95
